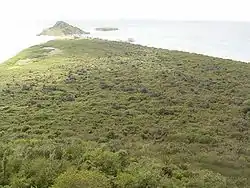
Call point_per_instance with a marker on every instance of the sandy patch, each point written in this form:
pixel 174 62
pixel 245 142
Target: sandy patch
pixel 53 51
pixel 23 61
pixel 49 48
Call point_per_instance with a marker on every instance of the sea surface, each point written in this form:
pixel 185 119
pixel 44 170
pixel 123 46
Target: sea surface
pixel 229 40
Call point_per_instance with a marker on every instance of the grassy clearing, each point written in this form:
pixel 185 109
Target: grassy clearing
pixel 110 114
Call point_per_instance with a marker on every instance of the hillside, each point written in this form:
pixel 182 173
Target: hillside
pixel 92 113
pixel 61 29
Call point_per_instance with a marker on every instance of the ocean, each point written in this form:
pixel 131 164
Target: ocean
pixel 229 40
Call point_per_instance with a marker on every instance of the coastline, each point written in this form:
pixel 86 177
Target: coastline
pixel 43 39
pixel 214 39
pixel 33 40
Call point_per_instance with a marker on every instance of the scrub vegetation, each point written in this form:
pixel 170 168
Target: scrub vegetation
pixel 116 115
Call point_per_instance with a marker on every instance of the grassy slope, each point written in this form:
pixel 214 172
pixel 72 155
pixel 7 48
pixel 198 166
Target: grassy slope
pixel 166 108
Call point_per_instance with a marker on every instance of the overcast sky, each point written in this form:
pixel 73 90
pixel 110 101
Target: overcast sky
pixel 233 10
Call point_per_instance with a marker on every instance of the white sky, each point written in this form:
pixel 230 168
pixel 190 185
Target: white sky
pixel 233 10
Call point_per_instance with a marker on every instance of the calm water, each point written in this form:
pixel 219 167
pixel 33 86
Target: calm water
pixel 221 39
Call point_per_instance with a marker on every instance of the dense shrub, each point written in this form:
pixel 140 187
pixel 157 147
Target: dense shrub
pixel 121 115
pixel 77 179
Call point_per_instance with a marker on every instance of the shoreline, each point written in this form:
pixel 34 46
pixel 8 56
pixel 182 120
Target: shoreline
pixel 44 39
pixel 89 37
pixel 35 41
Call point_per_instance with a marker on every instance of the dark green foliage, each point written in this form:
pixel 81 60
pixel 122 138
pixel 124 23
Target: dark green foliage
pixel 4 173
pixel 117 115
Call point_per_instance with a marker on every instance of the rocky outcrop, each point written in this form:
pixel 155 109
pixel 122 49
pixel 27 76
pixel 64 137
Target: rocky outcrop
pixel 131 40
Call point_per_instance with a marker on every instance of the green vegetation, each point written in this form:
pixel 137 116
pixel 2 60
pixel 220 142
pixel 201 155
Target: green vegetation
pixel 106 29
pixel 117 115
pixel 62 29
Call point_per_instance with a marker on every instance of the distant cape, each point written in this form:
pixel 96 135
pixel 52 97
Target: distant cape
pixel 61 29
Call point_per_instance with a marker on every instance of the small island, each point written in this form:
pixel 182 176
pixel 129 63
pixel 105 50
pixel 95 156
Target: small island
pixel 106 29
pixel 63 29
